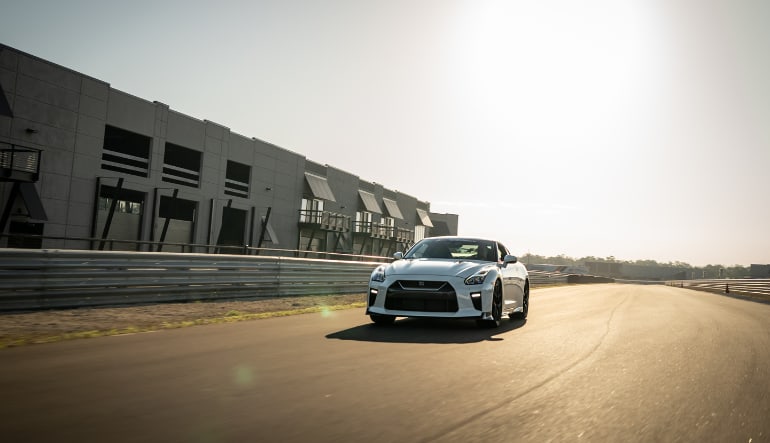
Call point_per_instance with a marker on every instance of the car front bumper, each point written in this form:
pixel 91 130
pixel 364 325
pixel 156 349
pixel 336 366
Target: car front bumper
pixel 401 296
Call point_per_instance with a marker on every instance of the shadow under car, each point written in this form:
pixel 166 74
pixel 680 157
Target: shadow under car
pixel 428 330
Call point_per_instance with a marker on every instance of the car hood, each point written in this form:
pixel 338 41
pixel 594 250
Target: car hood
pixel 437 267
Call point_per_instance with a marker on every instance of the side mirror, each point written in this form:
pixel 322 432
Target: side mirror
pixel 398 255
pixel 510 259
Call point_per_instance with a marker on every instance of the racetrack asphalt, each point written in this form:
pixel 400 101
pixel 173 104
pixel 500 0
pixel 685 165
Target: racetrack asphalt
pixel 591 363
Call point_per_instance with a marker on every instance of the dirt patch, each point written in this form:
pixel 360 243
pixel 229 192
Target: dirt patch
pixel 54 325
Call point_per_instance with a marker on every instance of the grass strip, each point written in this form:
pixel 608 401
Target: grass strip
pixel 229 317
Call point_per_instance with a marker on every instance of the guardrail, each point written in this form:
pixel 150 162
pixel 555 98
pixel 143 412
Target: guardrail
pixel 640 282
pixel 39 279
pixel 759 288
pixel 546 278
pixel 551 278
pixel 66 278
pixel 112 244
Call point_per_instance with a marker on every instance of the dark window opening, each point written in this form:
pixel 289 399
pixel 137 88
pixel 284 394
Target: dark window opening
pixel 125 195
pixel 126 152
pixel 25 228
pixel 177 208
pixel 110 158
pixel 233 226
pixel 181 165
pixel 182 157
pixel 237 187
pixel 180 174
pixel 238 171
pixel 176 224
pixel 237 183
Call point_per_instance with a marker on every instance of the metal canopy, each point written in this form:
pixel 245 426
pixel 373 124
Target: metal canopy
pixel 392 208
pixel 370 202
pixel 319 186
pixel 424 218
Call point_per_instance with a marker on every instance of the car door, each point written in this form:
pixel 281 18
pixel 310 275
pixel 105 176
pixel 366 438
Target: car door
pixel 513 284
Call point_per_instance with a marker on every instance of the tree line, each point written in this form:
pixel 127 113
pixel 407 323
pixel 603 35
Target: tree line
pixel 708 271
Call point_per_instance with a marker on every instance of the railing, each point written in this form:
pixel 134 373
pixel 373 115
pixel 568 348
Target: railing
pixel 551 278
pixel 546 278
pixel 639 282
pixel 327 220
pixel 43 278
pixel 751 287
pixel 40 279
pixel 403 235
pixel 382 231
pixel 360 227
pixel 150 246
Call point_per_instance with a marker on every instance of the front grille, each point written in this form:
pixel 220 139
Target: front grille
pixel 419 285
pixel 425 296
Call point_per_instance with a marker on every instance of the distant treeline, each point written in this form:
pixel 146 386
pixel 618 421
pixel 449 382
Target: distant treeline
pixel 708 271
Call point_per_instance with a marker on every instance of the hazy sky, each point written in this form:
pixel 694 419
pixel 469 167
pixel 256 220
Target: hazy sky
pixel 633 128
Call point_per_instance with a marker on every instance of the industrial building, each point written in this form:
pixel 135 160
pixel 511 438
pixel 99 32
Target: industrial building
pixel 638 272
pixel 759 271
pixel 86 166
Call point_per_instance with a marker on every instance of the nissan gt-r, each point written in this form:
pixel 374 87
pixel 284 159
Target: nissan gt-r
pixel 450 277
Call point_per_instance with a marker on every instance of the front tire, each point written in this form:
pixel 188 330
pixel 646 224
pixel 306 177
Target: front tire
pixel 525 305
pixel 382 319
pixel 497 308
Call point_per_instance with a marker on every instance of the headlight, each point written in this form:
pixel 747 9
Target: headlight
pixel 477 278
pixel 379 274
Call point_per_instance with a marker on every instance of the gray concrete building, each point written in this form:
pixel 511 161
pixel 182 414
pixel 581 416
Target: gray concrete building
pixel 759 271
pixel 86 166
pixel 638 272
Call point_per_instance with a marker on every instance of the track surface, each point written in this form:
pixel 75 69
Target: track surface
pixel 592 363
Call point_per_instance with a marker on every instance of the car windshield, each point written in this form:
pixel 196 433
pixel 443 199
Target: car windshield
pixel 456 249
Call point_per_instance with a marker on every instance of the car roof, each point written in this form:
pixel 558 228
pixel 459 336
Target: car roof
pixel 457 237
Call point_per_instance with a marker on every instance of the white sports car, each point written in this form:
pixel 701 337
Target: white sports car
pixel 450 277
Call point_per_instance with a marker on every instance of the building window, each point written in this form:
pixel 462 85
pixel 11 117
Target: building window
pixel 311 210
pixel 419 233
pixel 389 224
pixel 237 179
pixel 123 206
pixel 126 152
pixel 181 165
pixel 363 222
